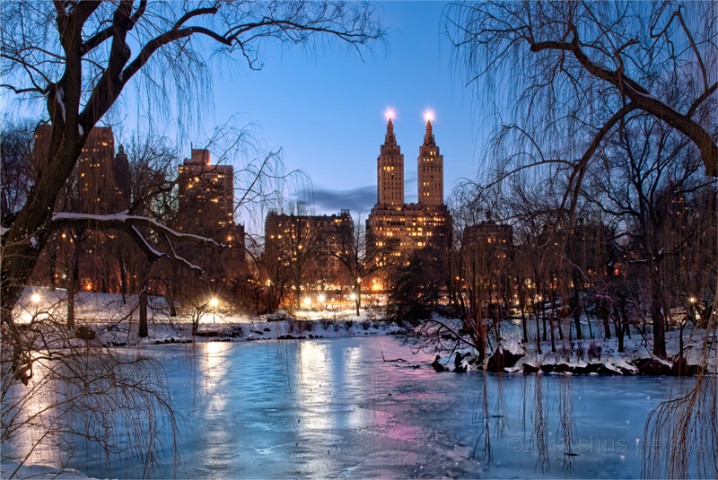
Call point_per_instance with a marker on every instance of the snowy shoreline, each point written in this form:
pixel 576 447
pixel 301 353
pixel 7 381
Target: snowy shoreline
pixel 113 323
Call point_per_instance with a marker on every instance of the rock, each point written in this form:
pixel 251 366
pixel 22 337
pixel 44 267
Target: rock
pixel 651 366
pixel 437 365
pixel 501 359
pixel 528 368
pixel 681 368
pixel 561 368
pixel 547 367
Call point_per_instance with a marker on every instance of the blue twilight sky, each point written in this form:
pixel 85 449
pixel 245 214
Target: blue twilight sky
pixel 325 108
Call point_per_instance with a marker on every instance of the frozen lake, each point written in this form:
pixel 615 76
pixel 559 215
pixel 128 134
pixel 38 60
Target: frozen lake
pixel 334 408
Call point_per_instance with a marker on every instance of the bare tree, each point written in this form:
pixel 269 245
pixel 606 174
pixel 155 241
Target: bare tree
pixel 642 177
pixel 80 390
pixel 77 57
pixel 579 68
pixel 16 171
pixel 358 261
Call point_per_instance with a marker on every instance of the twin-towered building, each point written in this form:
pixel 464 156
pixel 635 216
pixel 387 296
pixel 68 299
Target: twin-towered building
pixel 395 228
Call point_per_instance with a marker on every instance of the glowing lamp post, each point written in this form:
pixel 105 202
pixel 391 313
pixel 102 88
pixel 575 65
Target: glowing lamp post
pixel 213 303
pixel 307 301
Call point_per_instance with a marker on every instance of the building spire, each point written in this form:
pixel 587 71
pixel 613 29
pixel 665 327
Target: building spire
pixel 429 135
pixel 390 147
pixel 390 138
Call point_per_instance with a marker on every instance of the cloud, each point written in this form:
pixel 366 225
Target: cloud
pixel 357 200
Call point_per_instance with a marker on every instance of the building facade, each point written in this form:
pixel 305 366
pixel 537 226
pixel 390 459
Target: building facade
pixel 206 193
pixel 302 252
pixel 394 228
pixel 206 208
pixel 100 183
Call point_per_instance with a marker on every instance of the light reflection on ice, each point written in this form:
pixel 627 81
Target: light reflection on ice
pixel 334 408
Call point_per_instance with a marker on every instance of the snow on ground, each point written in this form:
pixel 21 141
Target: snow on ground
pixel 38 472
pixel 603 354
pixel 116 321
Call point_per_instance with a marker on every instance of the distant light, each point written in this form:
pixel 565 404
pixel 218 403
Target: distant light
pixel 692 299
pixel 307 301
pixel 353 296
pixel 321 298
pixel 390 114
pixel 429 115
pixel 213 302
pixel 35 298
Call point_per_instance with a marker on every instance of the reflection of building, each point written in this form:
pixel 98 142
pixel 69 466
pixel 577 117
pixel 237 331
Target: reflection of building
pixel 398 228
pixel 308 245
pixel 206 207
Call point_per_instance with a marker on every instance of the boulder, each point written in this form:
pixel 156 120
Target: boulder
pixel 501 359
pixel 652 366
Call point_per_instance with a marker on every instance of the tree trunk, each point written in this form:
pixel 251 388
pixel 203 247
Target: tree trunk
pixel 73 283
pixel 123 278
pixel 52 257
pixel 590 328
pixel 173 291
pixel 70 300
pixel 29 233
pixel 659 327
pixel 143 331
pixel 575 305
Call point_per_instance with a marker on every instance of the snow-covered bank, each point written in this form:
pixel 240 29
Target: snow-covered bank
pixel 39 472
pixel 115 323
pixel 597 356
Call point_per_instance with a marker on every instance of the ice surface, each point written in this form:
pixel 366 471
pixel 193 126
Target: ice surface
pixel 333 408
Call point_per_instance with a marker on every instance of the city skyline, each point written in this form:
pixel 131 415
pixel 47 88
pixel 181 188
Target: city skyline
pixel 326 109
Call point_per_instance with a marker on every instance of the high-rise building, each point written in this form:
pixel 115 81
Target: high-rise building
pixel 206 207
pixel 206 193
pixel 100 183
pixel 430 171
pixel 307 246
pixel 390 172
pixel 394 228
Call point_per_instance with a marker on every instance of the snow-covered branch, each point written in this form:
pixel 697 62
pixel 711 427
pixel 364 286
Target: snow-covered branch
pixel 132 224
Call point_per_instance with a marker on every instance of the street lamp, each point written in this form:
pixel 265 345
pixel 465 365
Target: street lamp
pixel 307 301
pixel 213 302
pixel 35 298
